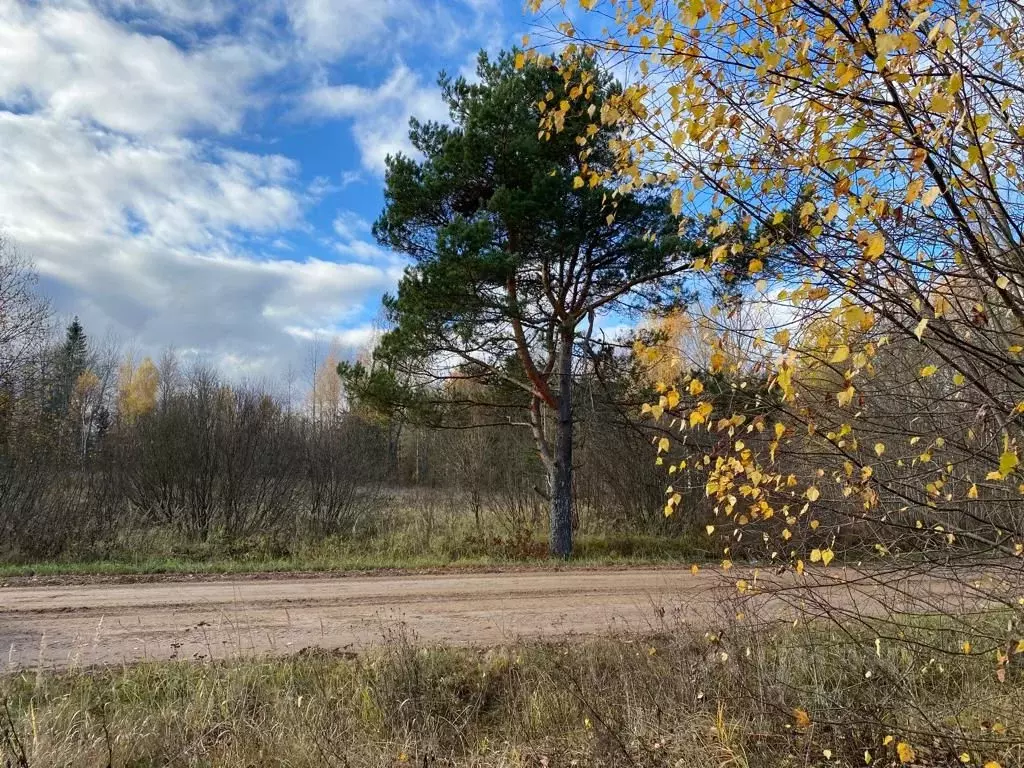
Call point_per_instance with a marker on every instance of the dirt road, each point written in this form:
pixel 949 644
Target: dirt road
pixel 56 626
pixel 62 626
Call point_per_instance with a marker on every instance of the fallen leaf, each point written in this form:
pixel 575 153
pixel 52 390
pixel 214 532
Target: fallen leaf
pixel 905 752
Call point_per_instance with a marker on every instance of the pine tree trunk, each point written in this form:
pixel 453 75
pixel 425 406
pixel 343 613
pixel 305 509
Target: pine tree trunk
pixel 560 473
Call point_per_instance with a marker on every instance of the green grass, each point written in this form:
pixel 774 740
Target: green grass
pixel 374 555
pixel 679 698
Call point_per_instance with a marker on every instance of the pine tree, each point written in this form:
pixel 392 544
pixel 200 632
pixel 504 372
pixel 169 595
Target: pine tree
pixel 516 249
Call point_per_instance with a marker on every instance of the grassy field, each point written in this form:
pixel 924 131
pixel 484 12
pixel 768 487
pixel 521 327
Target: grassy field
pixel 786 697
pixel 334 555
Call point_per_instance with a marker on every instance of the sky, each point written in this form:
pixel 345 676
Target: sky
pixel 203 174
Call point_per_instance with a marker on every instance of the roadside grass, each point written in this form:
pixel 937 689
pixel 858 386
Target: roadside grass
pixel 782 697
pixel 334 555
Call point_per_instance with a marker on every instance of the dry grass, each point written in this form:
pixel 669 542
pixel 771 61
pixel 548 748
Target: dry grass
pixel 398 550
pixel 728 698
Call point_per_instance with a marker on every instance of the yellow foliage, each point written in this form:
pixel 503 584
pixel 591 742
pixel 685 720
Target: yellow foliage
pixel 905 752
pixel 137 389
pixel 773 117
pixel 86 386
pixel 325 399
pixel 1007 462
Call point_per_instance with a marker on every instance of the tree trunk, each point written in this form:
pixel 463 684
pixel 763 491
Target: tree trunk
pixel 560 472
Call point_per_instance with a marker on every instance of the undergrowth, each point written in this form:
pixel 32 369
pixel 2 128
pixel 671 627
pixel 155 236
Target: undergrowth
pixel 257 555
pixel 784 697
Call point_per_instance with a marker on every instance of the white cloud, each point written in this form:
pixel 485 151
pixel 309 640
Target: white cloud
pixel 171 189
pixel 150 238
pixel 350 225
pixel 187 12
pixel 349 339
pixel 116 124
pixel 332 29
pixel 73 63
pixel 380 116
pixel 355 240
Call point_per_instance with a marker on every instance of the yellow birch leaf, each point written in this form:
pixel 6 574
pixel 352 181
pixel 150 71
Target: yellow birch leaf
pixel 846 396
pixel 880 20
pixel 905 752
pixel 875 245
pixel 919 20
pixel 1007 462
pixel 913 191
pixel 941 103
pixel 676 202
pixel 782 114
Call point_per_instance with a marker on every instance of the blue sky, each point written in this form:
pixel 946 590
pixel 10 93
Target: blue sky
pixel 202 173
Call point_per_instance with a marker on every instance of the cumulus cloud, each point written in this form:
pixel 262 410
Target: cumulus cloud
pixel 74 63
pixel 173 12
pixel 330 29
pixel 348 339
pixel 76 180
pixel 147 236
pixel 380 115
pixel 152 205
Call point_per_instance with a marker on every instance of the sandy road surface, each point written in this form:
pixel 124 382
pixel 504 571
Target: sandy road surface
pixel 60 626
pixel 57 626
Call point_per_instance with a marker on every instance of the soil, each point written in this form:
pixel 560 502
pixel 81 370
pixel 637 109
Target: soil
pixel 82 625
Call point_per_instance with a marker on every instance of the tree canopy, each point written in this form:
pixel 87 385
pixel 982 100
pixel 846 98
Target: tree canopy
pixel 518 250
